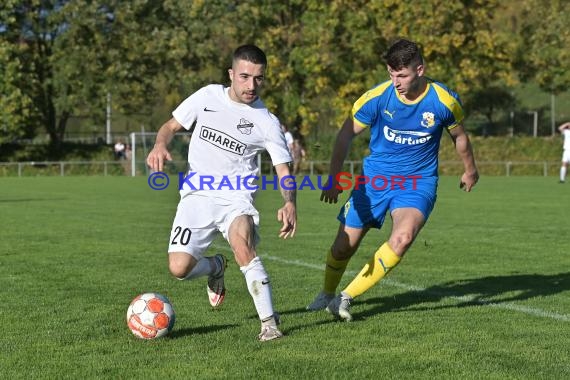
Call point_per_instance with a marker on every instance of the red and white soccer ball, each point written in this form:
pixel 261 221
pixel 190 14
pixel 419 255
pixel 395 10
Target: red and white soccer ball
pixel 150 316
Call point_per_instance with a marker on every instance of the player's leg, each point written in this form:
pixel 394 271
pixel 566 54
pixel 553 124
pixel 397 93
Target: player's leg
pixel 184 266
pixel 410 210
pixel 242 239
pixel 351 230
pixel 407 223
pixel 564 166
pixel 296 164
pixel 187 265
pixel 187 246
pixel 343 248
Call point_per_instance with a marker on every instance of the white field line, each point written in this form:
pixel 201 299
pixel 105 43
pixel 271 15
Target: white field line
pixel 396 284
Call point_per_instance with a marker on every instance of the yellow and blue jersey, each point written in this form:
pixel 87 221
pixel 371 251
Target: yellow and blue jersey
pixel 404 136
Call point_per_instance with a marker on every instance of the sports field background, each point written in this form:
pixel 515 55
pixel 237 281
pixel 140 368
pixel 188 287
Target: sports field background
pixel 483 293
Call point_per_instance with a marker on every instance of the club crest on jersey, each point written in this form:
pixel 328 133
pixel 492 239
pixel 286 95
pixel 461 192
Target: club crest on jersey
pixel 428 120
pixel 222 140
pixel 245 126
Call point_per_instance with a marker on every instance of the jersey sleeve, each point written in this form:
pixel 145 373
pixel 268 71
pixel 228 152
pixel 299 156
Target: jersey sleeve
pixel 275 143
pixel 453 109
pixel 187 112
pixel 365 109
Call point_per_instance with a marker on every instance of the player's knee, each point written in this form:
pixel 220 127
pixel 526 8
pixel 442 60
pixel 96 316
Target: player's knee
pixel 177 271
pixel 401 241
pixel 244 255
pixel 179 268
pixel 342 252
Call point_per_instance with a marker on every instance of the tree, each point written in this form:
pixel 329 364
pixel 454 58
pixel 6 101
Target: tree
pixel 14 104
pixel 27 84
pixel 66 56
pixel 72 53
pixel 487 102
pixel 545 55
pixel 325 54
pixel 118 48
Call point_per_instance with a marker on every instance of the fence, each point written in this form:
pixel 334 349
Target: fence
pixel 105 168
pixel 497 168
pixel 62 168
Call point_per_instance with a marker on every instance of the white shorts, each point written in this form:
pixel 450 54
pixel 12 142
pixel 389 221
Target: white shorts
pixel 199 220
pixel 566 155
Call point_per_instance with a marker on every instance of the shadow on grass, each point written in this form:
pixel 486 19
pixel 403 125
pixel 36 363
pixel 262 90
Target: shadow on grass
pixel 199 330
pixel 300 319
pixel 471 292
pixel 463 293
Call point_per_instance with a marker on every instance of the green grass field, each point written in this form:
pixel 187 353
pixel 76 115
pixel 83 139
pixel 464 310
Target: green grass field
pixel 483 293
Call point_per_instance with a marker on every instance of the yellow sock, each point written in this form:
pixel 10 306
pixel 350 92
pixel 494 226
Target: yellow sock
pixel 333 273
pixel 383 261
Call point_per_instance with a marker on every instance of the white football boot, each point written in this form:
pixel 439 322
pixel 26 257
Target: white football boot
pixel 340 307
pixel 216 289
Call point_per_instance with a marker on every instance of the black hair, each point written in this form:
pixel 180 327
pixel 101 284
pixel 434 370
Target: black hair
pixel 250 53
pixel 403 53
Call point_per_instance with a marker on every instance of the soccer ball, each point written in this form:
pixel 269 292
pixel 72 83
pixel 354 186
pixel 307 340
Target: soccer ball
pixel 150 316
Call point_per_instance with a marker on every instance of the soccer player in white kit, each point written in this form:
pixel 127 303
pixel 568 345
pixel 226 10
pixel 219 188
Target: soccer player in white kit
pixel 231 125
pixel 565 131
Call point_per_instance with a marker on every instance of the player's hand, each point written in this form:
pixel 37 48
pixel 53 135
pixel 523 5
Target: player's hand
pixel 288 216
pixel 157 156
pixel 468 180
pixel 330 192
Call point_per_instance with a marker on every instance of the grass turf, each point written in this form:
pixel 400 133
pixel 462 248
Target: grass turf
pixel 483 293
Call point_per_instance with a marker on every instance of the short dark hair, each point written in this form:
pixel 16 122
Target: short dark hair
pixel 403 53
pixel 250 53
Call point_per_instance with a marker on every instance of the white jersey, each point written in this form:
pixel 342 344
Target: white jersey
pixel 226 139
pixel 566 134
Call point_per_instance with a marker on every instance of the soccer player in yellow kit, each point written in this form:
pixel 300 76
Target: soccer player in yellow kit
pixel 406 116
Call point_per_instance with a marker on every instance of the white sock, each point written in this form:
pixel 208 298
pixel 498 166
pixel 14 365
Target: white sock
pixel 259 288
pixel 562 173
pixel 204 266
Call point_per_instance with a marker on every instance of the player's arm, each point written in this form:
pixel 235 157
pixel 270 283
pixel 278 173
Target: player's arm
pixel 348 131
pixel 159 152
pixel 465 152
pixel 288 213
pixel 564 126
